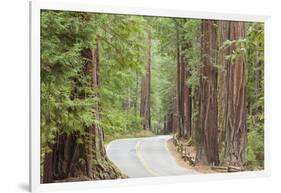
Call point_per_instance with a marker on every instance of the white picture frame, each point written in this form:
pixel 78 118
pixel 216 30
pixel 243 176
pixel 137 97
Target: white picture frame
pixel 36 6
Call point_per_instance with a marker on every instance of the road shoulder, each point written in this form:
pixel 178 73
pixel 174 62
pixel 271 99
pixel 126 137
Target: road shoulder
pixel 180 162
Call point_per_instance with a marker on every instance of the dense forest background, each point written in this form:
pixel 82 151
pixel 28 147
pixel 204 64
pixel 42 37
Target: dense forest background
pixel 106 76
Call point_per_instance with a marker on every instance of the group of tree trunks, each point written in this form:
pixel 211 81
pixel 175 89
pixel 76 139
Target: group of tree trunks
pixel 222 94
pixel 221 118
pixel 235 100
pixel 178 118
pixel 183 98
pixel 221 121
pixel 208 148
pixel 68 160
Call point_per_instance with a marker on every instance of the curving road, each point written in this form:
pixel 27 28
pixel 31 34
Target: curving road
pixel 145 157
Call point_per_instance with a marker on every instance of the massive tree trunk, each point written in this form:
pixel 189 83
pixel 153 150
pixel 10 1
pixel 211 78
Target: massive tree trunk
pixel 93 140
pixel 146 86
pixel 75 157
pixel 235 112
pixel 223 35
pixel 62 161
pixel 208 145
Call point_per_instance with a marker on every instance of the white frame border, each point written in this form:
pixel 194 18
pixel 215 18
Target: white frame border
pixel 34 145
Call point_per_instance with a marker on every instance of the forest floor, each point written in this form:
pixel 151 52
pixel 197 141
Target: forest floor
pixel 182 163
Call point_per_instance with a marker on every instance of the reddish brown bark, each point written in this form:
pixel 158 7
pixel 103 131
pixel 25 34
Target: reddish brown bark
pixel 223 35
pixel 183 95
pixel 62 162
pixel 195 118
pixel 174 116
pixel 176 101
pixel 69 159
pixel 208 146
pixel 235 112
pixel 146 86
pixel 186 99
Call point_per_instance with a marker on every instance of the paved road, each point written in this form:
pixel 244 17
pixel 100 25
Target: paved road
pixel 145 157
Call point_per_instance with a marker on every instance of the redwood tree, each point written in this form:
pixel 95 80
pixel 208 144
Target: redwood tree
pixel 235 111
pixel 186 98
pixel 178 112
pixel 183 95
pixel 208 145
pixel 77 156
pixel 146 85
pixel 223 36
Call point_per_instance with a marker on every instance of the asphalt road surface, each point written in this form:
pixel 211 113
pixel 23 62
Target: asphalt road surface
pixel 145 157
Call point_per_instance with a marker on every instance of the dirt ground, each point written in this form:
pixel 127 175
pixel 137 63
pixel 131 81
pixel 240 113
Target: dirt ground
pixel 182 163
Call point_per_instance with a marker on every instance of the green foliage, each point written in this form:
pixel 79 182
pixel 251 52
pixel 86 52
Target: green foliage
pixel 255 147
pixel 116 121
pixel 122 51
pixel 63 36
pixel 67 97
pixel 163 81
pixel 192 31
pixel 255 54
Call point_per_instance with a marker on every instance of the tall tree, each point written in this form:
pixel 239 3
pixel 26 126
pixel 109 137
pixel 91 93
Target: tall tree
pixel 73 155
pixel 208 145
pixel 178 106
pixel 235 112
pixel 223 36
pixel 71 134
pixel 186 96
pixel 146 85
pixel 183 95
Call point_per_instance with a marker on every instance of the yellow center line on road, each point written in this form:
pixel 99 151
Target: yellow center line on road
pixel 147 168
